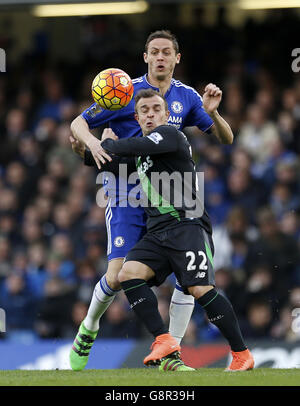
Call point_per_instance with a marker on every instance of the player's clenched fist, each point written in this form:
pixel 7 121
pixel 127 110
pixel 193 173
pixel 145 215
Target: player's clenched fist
pixel 211 98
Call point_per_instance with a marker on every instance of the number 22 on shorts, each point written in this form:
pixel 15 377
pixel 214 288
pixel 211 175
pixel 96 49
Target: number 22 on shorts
pixel 192 257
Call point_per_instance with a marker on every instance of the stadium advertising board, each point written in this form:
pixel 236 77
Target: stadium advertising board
pixel 113 354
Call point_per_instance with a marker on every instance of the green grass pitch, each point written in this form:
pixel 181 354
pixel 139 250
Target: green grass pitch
pixel 151 377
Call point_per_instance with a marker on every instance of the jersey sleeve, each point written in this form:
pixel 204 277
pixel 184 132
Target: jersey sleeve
pixel 95 116
pixel 198 116
pixel 162 140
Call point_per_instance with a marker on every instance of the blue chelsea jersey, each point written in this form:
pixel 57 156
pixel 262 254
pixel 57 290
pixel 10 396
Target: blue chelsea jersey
pixel 186 110
pixel 185 106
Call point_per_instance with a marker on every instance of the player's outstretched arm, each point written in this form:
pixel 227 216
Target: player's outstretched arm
pixel 80 131
pixel 113 166
pixel 79 148
pixel 211 100
pixel 162 140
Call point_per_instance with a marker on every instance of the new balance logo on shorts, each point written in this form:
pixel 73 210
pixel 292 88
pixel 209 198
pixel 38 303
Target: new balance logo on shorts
pixel 200 275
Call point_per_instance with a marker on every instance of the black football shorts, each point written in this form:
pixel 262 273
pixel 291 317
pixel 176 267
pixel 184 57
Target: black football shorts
pixel 186 249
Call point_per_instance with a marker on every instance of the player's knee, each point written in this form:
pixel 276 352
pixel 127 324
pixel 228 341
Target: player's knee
pixel 111 275
pixel 198 291
pixel 127 272
pixel 124 274
pixel 113 281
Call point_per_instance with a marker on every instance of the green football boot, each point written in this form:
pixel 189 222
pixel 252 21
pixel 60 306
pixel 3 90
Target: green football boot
pixel 171 364
pixel 80 351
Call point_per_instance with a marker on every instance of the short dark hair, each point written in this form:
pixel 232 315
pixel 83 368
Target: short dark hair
pixel 146 94
pixel 162 34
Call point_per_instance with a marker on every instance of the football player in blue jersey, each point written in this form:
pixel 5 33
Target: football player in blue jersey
pixel 127 225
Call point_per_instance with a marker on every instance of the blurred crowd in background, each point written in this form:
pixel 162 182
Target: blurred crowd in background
pixel 53 234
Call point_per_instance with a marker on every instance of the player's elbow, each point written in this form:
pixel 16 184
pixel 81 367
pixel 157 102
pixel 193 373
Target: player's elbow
pixel 224 134
pixel 228 140
pixel 225 137
pixel 76 124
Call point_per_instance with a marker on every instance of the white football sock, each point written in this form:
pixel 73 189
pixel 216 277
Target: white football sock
pixel 181 309
pixel 102 297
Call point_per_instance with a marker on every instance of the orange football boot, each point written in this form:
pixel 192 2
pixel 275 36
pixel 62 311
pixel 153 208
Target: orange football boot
pixel 163 345
pixel 241 361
